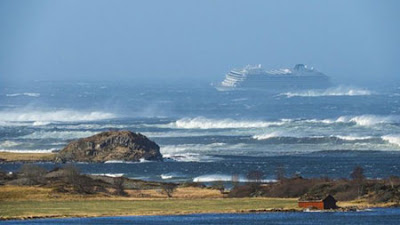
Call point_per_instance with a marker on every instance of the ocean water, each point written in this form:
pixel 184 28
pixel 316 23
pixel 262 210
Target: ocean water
pixel 208 135
pixel 374 216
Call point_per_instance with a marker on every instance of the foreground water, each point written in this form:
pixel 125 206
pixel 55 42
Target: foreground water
pixel 208 135
pixel 374 216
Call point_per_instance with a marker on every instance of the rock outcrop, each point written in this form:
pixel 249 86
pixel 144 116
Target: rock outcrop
pixel 111 145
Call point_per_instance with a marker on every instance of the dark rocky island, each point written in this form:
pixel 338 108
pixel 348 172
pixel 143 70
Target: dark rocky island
pixel 111 145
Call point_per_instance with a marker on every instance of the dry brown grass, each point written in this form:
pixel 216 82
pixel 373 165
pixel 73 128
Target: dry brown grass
pixel 23 193
pixel 28 157
pixel 363 203
pixel 183 192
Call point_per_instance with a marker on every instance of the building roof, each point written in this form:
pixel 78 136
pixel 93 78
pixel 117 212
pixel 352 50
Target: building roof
pixel 315 198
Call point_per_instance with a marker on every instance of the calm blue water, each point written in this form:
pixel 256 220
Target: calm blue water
pixel 208 135
pixel 375 216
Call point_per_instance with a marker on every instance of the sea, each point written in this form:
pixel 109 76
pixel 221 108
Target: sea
pixel 207 135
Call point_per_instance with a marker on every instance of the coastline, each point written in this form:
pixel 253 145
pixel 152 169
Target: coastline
pixel 221 211
pixel 21 203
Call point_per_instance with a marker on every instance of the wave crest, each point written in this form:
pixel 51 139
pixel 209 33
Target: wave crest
pixel 43 117
pixel 392 139
pixel 338 91
pixel 29 94
pixel 205 123
pixel 368 120
pixel 225 178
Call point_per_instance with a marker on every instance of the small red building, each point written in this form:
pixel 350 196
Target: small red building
pixel 308 202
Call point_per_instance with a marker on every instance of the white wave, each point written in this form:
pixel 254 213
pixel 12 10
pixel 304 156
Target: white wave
pixel 41 117
pixel 271 135
pixel 368 120
pixel 29 94
pixel 171 176
pixel 125 162
pixel 168 149
pixel 205 123
pixel 114 161
pixel 108 174
pixel 40 123
pixel 353 138
pixel 191 157
pixel 9 144
pixel 338 91
pixel 165 177
pixel 91 126
pixel 361 120
pixel 64 135
pixel 143 160
pixel 29 150
pixel 392 139
pixel 225 178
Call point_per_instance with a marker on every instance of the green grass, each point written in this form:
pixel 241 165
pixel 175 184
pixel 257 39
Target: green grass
pixel 26 209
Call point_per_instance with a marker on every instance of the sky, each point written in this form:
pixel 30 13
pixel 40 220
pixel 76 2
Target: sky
pixel 349 40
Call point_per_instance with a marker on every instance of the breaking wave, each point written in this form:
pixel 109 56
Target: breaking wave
pixel 205 123
pixel 267 136
pixel 108 174
pixel 353 138
pixel 285 137
pixel 191 157
pixel 43 117
pixel 368 120
pixel 64 135
pixel 361 120
pixel 29 94
pixel 223 177
pixel 338 91
pixel 172 175
pixel 8 144
pixel 392 139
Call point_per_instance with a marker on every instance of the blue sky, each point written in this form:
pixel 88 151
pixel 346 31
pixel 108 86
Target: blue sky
pixel 351 41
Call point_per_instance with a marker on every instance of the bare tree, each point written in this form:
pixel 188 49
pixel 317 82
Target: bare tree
pixel 33 173
pixel 218 185
pixel 235 180
pixel 119 186
pixel 168 189
pixel 79 183
pixel 280 173
pixel 358 177
pixel 357 174
pixel 255 176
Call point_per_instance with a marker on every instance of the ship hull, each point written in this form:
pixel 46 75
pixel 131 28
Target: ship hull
pixel 279 83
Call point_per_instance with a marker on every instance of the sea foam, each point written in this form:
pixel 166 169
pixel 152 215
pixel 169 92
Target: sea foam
pixel 225 178
pixel 206 123
pixel 270 135
pixel 392 139
pixel 42 117
pixel 338 91
pixel 64 135
pixel 29 94
pixel 368 120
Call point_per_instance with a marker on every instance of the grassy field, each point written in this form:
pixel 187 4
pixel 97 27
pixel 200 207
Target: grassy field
pixel 27 157
pixel 28 202
pixel 113 207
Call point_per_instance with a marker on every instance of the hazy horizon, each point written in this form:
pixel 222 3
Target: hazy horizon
pixel 354 42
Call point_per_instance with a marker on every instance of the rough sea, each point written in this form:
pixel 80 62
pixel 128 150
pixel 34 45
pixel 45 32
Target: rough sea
pixel 208 135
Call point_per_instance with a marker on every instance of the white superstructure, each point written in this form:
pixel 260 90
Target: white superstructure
pixel 299 77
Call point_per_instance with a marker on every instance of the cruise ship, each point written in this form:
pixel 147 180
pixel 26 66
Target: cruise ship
pixel 255 77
